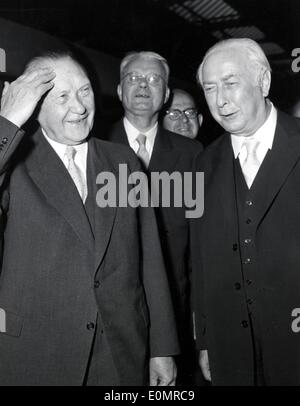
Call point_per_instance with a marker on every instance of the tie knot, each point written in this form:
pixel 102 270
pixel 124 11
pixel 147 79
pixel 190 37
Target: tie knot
pixel 70 152
pixel 251 145
pixel 141 139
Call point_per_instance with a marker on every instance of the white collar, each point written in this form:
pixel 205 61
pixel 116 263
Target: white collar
pixel 132 133
pixel 60 149
pixel 265 134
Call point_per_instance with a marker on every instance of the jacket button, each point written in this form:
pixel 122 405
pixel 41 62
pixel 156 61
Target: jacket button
pixel 249 202
pixel 237 286
pixel 244 323
pixel 248 281
pixel 234 247
pixel 90 325
pixel 4 140
pixel 96 284
pixel 248 221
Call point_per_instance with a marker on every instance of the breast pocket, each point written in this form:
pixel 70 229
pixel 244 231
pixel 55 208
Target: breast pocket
pixel 10 323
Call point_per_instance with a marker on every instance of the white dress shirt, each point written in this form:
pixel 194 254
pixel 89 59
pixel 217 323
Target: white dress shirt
pixel 133 132
pixel 80 157
pixel 265 136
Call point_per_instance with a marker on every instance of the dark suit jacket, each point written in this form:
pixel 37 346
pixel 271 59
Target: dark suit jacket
pixel 62 271
pixel 171 152
pixel 221 307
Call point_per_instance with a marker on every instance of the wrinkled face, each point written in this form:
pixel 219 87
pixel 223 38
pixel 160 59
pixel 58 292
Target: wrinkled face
pixel 233 94
pixel 67 112
pixel 142 98
pixel 188 127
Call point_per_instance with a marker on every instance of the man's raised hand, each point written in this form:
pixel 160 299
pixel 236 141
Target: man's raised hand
pixel 20 98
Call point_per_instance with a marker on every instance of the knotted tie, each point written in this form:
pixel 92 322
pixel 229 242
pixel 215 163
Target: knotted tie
pixel 75 172
pixel 142 152
pixel 251 164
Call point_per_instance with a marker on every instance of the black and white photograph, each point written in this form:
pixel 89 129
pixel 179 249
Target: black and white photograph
pixel 150 195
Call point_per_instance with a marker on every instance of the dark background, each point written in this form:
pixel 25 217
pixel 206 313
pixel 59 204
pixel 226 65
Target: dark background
pixel 179 30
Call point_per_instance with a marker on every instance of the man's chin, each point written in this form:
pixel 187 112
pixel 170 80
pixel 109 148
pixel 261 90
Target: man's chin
pixel 77 138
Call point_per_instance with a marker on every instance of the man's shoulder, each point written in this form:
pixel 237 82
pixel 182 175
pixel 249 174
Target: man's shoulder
pixel 180 142
pixel 115 152
pixel 290 123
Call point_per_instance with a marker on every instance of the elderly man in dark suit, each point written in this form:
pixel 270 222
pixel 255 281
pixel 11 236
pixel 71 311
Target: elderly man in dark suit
pixel 83 288
pixel 246 257
pixel 143 90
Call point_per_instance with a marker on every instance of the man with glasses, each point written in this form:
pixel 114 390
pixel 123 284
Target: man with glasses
pixel 182 116
pixel 143 90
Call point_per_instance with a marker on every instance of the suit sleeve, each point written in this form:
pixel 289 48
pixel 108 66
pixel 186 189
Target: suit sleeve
pixel 197 281
pixel 163 331
pixel 10 136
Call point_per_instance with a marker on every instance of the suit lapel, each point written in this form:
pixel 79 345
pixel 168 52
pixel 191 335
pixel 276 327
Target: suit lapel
pixel 277 165
pixel 103 217
pixel 118 134
pixel 219 190
pixel 164 156
pixel 50 175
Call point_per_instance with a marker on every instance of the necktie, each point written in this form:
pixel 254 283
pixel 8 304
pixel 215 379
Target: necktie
pixel 75 172
pixel 251 164
pixel 142 152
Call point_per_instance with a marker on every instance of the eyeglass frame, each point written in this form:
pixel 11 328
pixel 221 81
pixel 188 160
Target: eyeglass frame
pixel 144 77
pixel 182 112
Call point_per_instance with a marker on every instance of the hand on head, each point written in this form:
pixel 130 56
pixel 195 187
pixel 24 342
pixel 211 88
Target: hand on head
pixel 20 98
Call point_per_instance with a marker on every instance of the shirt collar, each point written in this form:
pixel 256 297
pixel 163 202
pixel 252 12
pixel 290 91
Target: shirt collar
pixel 265 134
pixel 133 132
pixel 60 149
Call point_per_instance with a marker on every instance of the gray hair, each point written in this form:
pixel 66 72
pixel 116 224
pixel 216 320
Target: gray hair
pixel 252 49
pixel 144 55
pixel 53 56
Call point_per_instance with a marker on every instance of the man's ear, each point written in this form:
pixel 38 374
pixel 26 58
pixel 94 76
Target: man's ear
pixel 167 95
pixel 200 119
pixel 119 91
pixel 265 82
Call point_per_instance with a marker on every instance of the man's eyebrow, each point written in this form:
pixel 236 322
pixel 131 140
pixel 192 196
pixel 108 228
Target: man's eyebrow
pixel 86 84
pixel 230 76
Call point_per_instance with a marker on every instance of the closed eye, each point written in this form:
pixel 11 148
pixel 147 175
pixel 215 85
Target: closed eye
pixel 85 91
pixel 62 98
pixel 208 89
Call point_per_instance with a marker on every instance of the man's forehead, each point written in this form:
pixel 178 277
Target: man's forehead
pixel 225 63
pixel 182 99
pixel 145 64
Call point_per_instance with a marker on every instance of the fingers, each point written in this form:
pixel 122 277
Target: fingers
pixel 32 74
pixel 206 372
pixel 37 78
pixel 204 364
pixel 5 88
pixel 45 87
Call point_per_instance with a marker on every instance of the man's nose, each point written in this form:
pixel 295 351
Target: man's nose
pixel 221 98
pixel 77 106
pixel 143 82
pixel 184 118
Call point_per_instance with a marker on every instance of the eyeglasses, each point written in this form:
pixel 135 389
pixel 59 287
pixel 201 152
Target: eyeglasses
pixel 175 114
pixel 153 79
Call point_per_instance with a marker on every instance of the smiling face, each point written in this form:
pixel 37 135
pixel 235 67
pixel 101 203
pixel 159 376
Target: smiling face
pixel 234 93
pixel 67 112
pixel 142 98
pixel 185 126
